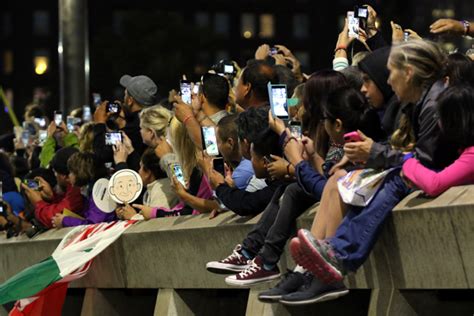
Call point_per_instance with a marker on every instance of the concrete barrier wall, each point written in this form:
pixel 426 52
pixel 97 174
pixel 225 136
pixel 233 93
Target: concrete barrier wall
pixel 426 245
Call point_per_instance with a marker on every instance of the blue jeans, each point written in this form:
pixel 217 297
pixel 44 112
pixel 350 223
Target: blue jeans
pixel 359 230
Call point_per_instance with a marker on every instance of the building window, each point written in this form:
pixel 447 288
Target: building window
pixel 41 23
pixel 6 24
pixel 221 23
pixel 201 19
pixel 8 62
pixel 267 26
pixel 248 25
pixel 301 26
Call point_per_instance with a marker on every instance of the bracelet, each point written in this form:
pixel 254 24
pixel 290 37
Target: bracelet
pixel 288 140
pixel 288 168
pixel 339 48
pixel 187 118
pixel 466 26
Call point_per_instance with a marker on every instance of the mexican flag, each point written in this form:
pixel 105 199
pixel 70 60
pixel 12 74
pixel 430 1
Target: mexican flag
pixel 41 288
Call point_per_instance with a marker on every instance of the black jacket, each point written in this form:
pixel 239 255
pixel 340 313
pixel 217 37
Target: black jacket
pixel 246 203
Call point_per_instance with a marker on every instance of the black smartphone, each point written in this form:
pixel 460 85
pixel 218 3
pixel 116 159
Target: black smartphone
pixel 218 165
pixel 185 90
pixel 278 100
pixel 113 107
pixel 209 140
pixel 273 51
pixel 32 184
pixel 362 13
pixel 113 138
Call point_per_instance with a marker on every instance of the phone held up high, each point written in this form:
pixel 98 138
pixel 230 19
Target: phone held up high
pixel 209 140
pixel 352 137
pixel 185 91
pixel 278 100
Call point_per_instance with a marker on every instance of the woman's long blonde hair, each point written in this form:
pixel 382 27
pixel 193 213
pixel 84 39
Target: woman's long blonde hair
pixel 156 118
pixel 86 137
pixel 184 147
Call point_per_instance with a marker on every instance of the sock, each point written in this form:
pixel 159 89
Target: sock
pixel 268 267
pixel 299 269
pixel 246 254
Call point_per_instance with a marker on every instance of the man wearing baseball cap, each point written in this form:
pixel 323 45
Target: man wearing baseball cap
pixel 140 91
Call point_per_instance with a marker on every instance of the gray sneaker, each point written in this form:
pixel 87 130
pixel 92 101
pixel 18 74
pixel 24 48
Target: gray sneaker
pixel 314 292
pixel 291 282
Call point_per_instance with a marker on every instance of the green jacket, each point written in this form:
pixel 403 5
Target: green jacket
pixel 49 148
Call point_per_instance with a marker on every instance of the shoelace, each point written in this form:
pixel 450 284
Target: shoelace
pixel 234 254
pixel 250 270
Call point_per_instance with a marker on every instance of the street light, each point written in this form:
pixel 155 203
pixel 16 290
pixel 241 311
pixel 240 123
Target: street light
pixel 41 64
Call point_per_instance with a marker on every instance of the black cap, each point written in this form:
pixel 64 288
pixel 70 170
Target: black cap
pixel 59 162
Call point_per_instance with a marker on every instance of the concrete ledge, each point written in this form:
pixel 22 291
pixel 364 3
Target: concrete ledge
pixel 427 244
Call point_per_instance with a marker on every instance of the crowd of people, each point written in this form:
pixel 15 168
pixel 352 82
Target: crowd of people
pixel 400 110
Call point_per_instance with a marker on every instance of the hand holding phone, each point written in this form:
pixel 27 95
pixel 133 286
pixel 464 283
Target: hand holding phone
pixel 278 100
pixel 209 140
pixel 352 137
pixel 185 91
pixel 178 172
pixel 113 107
pixel 353 25
pixel 58 118
pixel 113 138
pixel 32 184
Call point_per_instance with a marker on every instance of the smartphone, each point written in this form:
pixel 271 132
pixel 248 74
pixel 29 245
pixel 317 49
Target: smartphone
pixel 361 12
pixel 58 117
pixel 70 120
pixel 406 36
pixel 178 172
pixel 42 135
pixel 278 100
pixel 196 88
pixel 273 51
pixel 96 99
pixel 295 129
pixel 185 89
pixel 41 121
pixel 353 25
pixel 86 113
pixel 25 137
pixel 352 137
pixel 228 69
pixel 32 184
pixel 113 138
pixel 209 140
pixel 218 165
pixel 113 107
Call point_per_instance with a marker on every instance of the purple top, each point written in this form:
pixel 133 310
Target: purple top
pixel 92 215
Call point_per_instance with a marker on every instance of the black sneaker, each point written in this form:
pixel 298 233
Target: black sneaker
pixel 315 292
pixel 291 282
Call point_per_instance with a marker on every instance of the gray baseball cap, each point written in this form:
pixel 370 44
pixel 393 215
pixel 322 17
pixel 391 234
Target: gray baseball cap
pixel 141 88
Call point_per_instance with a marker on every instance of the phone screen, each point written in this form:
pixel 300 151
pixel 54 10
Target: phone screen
pixel 113 107
pixel 42 135
pixel 178 172
pixel 25 137
pixel 86 113
pixel 70 123
pixel 185 88
pixel 32 184
pixel 273 51
pixel 58 118
pixel 210 140
pixel 353 25
pixel 40 121
pixel 228 69
pixel 295 129
pixel 96 99
pixel 196 88
pixel 279 101
pixel 113 138
pixel 362 12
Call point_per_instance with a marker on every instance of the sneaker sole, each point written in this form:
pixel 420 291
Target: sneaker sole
pixel 308 257
pixel 230 269
pixel 270 298
pixel 326 297
pixel 246 283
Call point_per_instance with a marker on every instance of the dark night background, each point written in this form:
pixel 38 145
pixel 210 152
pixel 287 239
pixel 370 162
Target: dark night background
pixel 166 39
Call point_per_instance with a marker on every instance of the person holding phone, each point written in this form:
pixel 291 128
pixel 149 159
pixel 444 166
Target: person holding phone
pixel 57 136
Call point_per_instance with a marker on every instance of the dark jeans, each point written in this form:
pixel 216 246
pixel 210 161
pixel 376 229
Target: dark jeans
pixel 361 227
pixel 277 224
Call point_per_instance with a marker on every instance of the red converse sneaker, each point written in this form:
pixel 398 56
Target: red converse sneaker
pixel 236 262
pixel 253 275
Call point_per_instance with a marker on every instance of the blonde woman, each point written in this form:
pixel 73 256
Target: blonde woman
pixel 416 69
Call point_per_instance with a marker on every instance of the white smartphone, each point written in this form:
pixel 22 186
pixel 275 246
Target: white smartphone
pixel 210 140
pixel 58 117
pixel 278 100
pixel 178 172
pixel 353 25
pixel 185 89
